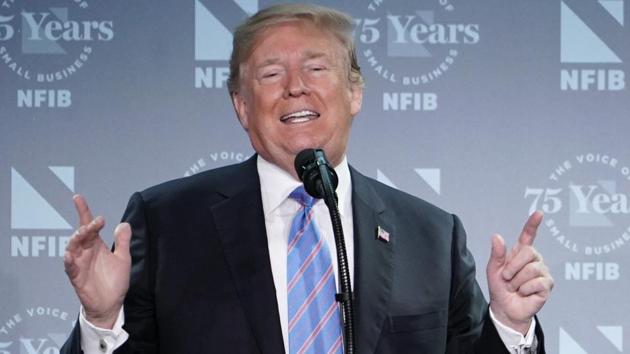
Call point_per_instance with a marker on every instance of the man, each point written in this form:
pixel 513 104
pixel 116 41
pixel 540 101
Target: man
pixel 208 268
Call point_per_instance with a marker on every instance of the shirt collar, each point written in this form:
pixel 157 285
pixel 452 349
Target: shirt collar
pixel 276 184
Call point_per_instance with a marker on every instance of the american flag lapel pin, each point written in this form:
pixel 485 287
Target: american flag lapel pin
pixel 382 234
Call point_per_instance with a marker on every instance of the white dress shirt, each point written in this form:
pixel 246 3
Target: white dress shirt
pixel 279 210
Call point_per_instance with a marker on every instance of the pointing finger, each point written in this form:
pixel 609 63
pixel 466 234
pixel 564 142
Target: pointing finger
pixel 529 230
pixel 85 215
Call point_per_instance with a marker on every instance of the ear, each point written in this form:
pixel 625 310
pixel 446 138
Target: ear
pixel 240 107
pixel 356 99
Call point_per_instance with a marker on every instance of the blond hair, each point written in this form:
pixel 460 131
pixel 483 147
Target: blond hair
pixel 329 19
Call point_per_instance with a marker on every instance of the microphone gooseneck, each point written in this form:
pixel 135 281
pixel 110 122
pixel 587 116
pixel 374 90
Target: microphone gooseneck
pixel 320 181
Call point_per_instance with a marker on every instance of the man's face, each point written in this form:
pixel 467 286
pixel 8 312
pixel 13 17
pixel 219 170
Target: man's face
pixel 294 94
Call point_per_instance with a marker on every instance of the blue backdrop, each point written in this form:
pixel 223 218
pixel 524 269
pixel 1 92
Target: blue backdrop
pixel 488 109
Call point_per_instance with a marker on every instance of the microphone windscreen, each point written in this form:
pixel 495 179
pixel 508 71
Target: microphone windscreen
pixel 302 160
pixel 307 165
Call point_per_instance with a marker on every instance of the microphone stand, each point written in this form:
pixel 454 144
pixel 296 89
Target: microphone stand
pixel 345 297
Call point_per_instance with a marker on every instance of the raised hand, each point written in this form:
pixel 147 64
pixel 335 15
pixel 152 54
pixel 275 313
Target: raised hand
pixel 99 277
pixel 518 280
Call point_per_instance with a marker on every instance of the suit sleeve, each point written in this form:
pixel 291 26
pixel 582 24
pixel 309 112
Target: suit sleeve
pixel 470 329
pixel 139 303
pixel 73 343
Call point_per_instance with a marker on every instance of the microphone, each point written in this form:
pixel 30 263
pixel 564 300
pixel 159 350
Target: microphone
pixel 320 181
pixel 313 169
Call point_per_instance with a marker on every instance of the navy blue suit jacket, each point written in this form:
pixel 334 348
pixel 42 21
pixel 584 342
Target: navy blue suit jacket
pixel 201 278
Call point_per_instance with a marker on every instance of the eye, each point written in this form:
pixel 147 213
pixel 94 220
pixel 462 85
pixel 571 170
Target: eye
pixel 269 74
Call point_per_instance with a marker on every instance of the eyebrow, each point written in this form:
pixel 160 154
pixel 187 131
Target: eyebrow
pixel 307 56
pixel 314 55
pixel 269 61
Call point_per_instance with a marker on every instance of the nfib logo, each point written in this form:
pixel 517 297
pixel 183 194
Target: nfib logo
pixel 593 41
pixel 214 23
pixel 608 340
pixel 40 209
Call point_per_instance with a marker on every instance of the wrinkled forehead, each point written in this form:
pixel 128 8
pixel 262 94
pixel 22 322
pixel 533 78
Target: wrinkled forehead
pixel 331 45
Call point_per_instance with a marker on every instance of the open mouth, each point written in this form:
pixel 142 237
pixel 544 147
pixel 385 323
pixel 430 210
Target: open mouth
pixel 301 116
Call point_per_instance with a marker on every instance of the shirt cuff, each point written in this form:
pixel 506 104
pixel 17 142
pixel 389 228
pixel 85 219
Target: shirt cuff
pixel 96 340
pixel 513 340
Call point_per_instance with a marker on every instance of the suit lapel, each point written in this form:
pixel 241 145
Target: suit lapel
pixel 241 229
pixel 373 263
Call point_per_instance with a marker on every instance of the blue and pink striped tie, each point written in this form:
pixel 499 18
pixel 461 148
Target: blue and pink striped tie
pixel 314 318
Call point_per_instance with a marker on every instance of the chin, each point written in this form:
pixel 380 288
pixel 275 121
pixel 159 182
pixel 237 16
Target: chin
pixel 306 144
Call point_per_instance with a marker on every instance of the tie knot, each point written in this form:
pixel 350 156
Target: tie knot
pixel 301 196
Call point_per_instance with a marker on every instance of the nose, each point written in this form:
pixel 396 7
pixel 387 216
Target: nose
pixel 295 85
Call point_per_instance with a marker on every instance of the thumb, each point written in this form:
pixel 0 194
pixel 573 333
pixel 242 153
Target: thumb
pixel 122 236
pixel 498 254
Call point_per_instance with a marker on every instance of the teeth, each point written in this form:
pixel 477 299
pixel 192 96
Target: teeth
pixel 299 120
pixel 300 116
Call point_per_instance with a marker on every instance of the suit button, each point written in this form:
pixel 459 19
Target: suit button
pixel 102 346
